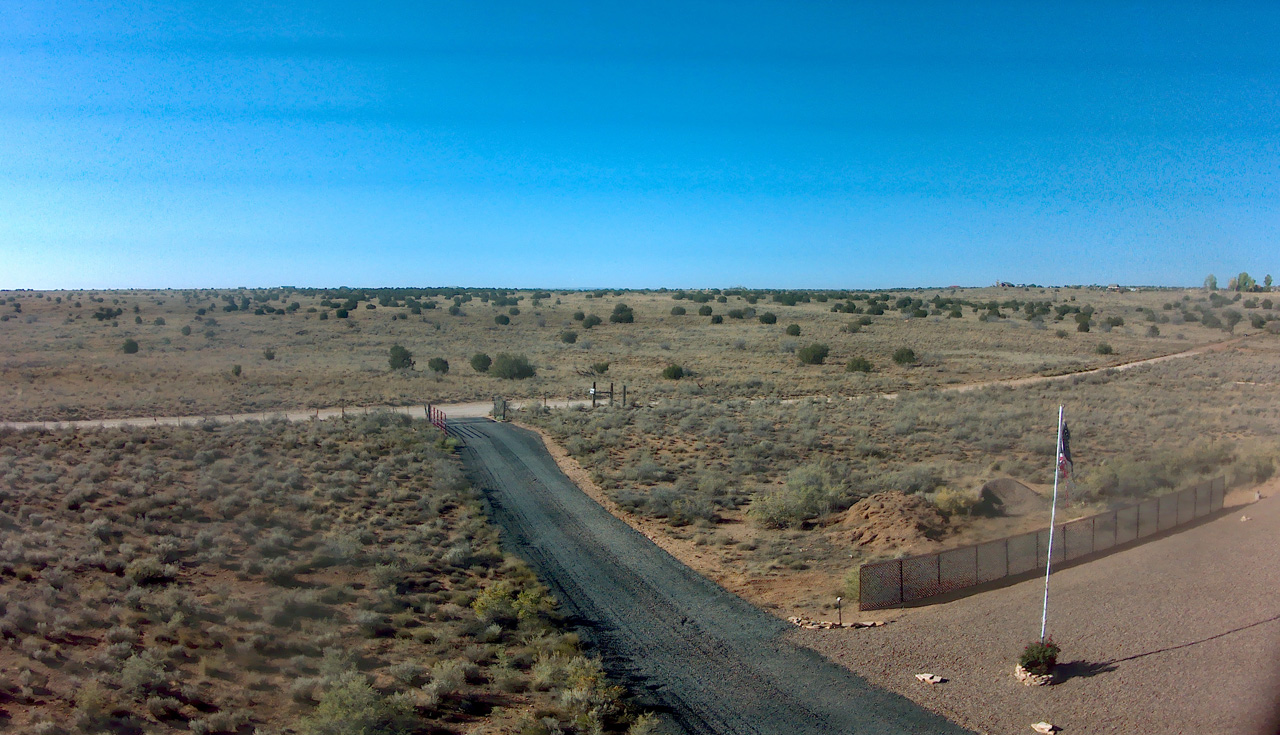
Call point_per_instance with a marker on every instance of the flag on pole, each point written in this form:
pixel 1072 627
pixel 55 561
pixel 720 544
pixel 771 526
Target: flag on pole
pixel 1065 465
pixel 1063 461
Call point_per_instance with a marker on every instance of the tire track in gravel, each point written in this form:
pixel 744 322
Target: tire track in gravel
pixel 707 660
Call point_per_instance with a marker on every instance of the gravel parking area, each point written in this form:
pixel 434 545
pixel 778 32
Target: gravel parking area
pixel 1179 635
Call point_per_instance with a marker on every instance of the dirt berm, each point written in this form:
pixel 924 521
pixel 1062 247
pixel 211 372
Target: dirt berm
pixel 707 661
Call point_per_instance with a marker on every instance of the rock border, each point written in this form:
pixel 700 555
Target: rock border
pixel 1030 679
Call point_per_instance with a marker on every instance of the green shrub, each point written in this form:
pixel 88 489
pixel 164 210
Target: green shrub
pixel 159 322
pixel 793 330
pixel 678 311
pixel 952 502
pixel 1060 334
pixel 341 313
pixel 858 365
pixel 130 346
pixel 568 336
pixel 768 318
pixel 717 319
pixel 511 367
pixel 438 365
pixel 186 331
pixel 1153 331
pixel 591 320
pixel 1103 349
pixel 480 362
pixel 905 356
pixel 600 368
pixel 578 316
pixel 813 354
pixel 149 571
pixel 502 320
pixel 236 370
pixel 269 354
pixel 141 674
pixel 811 491
pixel 400 358
pixel 622 314
pixel 1083 326
pixel 704 311
pixel 352 707
pixel 1040 658
pixel 673 372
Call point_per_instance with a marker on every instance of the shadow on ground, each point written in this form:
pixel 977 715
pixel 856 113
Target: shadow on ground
pixel 1082 670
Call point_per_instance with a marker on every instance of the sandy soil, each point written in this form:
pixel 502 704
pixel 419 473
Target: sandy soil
pixel 1179 635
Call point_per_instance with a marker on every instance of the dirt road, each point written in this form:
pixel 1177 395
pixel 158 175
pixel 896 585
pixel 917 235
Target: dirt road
pixel 452 411
pixel 710 661
pixel 1037 379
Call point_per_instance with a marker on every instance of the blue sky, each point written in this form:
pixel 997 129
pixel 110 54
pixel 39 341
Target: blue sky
pixel 685 144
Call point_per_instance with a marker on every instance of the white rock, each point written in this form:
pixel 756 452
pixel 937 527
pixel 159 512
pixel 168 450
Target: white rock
pixel 930 678
pixel 1046 728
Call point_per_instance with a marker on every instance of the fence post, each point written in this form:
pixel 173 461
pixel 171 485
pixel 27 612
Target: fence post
pixel 902 595
pixel 1093 535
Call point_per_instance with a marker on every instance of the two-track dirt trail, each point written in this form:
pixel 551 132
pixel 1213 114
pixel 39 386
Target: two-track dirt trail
pixel 708 660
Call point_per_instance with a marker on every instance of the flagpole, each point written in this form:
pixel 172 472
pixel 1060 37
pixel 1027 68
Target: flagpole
pixel 1048 562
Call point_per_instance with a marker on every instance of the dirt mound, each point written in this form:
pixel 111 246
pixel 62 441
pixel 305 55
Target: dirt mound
pixel 1009 497
pixel 892 521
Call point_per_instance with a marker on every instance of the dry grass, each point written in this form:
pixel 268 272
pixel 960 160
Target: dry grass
pixel 63 363
pixel 283 577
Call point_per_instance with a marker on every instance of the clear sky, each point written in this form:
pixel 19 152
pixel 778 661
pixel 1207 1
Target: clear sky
pixel 842 145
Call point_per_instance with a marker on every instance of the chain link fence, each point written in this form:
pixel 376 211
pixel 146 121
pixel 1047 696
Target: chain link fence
pixel 894 582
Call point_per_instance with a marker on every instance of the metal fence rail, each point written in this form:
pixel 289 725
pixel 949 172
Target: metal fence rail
pixel 897 581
